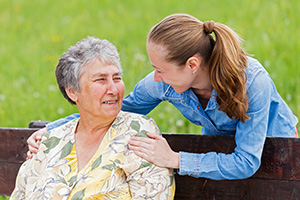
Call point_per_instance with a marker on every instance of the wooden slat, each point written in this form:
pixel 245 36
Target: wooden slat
pixel 8 174
pixel 13 148
pixel 189 188
pixel 280 159
pixel 277 178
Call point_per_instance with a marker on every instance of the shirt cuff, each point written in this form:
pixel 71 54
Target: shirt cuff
pixel 188 164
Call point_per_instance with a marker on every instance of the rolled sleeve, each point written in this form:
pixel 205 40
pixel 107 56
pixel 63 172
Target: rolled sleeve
pixel 250 138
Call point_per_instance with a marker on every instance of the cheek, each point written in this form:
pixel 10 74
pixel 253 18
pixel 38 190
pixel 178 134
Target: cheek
pixel 121 91
pixel 96 92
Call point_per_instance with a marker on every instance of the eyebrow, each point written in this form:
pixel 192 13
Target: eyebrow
pixel 105 74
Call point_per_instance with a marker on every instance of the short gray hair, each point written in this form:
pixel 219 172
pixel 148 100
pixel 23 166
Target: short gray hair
pixel 71 64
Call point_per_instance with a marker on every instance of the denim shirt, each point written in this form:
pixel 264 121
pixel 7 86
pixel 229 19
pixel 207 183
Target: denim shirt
pixel 269 116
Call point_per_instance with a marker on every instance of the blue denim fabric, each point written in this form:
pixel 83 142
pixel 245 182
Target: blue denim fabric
pixel 270 116
pixel 61 121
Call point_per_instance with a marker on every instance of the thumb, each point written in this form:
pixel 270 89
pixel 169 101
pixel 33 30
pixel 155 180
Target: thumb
pixel 153 135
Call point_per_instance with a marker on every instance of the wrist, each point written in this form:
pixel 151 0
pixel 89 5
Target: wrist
pixel 176 161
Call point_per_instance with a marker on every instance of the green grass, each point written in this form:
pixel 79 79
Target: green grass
pixel 35 34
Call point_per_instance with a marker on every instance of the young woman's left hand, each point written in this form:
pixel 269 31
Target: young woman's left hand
pixel 155 150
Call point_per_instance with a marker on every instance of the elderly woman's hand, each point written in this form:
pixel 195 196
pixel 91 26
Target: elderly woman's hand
pixel 155 150
pixel 32 142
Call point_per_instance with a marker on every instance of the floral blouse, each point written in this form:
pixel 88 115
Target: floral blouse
pixel 114 172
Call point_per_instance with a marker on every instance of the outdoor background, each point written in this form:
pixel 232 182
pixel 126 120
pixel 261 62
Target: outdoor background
pixel 35 33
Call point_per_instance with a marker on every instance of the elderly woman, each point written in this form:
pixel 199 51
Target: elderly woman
pixel 88 158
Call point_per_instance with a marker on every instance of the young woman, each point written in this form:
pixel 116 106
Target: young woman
pixel 214 84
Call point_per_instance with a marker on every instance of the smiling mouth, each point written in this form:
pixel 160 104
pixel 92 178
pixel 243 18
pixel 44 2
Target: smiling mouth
pixel 110 102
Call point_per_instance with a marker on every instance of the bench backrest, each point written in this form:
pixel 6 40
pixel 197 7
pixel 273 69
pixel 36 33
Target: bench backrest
pixel 277 178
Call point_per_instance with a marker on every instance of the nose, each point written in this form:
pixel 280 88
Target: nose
pixel 157 76
pixel 112 88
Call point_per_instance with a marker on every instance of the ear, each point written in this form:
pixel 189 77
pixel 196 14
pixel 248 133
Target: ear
pixel 72 94
pixel 193 63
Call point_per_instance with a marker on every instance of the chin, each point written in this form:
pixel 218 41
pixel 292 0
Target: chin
pixel 179 90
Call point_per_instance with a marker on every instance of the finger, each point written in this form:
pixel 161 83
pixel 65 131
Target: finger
pixel 40 133
pixel 142 144
pixel 29 155
pixel 32 144
pixel 32 149
pixel 37 135
pixel 153 135
pixel 141 139
pixel 141 153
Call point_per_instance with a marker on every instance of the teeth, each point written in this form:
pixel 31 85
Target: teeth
pixel 110 102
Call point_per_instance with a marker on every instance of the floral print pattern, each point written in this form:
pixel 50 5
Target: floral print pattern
pixel 114 172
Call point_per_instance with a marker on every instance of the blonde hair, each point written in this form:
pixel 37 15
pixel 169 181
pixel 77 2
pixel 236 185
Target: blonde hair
pixel 183 36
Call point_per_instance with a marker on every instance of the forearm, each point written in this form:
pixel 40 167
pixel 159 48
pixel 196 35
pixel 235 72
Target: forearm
pixel 146 95
pixel 61 121
pixel 218 166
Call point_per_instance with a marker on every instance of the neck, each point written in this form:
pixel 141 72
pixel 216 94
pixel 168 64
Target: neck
pixel 89 135
pixel 203 96
pixel 93 126
pixel 204 93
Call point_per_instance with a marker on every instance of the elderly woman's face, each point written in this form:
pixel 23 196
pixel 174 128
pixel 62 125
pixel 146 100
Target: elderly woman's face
pixel 101 90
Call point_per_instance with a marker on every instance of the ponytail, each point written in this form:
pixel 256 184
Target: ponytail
pixel 227 66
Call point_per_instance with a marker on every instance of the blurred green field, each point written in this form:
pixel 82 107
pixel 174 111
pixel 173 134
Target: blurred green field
pixel 34 34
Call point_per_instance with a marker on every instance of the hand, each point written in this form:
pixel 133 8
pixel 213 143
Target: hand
pixel 155 150
pixel 32 142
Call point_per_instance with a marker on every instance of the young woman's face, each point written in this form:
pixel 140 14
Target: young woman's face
pixel 180 78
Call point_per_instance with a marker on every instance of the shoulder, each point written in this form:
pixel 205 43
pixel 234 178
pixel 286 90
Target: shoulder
pixel 253 70
pixel 258 79
pixel 66 128
pixel 260 86
pixel 135 123
pixel 54 140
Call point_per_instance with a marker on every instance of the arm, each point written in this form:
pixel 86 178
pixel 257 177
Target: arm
pixel 61 121
pixel 19 190
pixel 150 148
pixel 33 146
pixel 145 96
pixel 28 176
pixel 250 137
pixel 242 163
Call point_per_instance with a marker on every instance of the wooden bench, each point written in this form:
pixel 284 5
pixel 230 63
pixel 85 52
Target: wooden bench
pixel 277 178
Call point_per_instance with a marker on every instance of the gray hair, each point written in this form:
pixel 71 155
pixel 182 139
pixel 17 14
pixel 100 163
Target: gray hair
pixel 71 64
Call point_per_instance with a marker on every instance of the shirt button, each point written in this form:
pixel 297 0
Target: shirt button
pixel 198 107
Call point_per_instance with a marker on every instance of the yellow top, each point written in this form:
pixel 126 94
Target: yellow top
pixel 114 172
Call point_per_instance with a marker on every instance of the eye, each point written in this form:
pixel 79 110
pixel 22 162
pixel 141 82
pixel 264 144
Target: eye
pixel 100 79
pixel 118 78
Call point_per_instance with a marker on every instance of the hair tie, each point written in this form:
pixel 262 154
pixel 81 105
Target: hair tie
pixel 209 26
